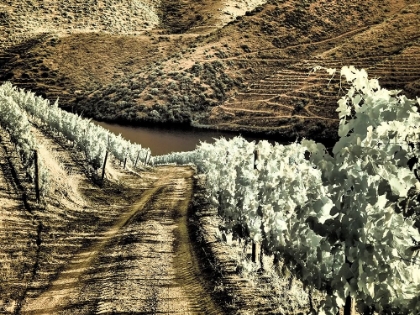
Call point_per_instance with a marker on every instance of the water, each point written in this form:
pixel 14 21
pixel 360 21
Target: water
pixel 163 141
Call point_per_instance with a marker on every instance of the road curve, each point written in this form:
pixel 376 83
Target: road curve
pixel 142 264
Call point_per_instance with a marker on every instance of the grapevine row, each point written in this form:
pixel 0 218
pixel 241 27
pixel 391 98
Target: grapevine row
pixel 346 220
pixel 15 121
pixel 93 140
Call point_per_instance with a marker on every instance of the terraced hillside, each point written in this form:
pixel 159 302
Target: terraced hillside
pixel 280 90
pixel 218 66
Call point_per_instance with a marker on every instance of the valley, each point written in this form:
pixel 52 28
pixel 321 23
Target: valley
pixel 243 66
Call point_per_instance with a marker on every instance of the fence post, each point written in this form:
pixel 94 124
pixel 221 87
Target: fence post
pixel 146 158
pixel 137 159
pixel 103 168
pixel 37 176
pixel 349 306
pixel 256 250
pixel 256 158
pixel 255 255
pixel 125 162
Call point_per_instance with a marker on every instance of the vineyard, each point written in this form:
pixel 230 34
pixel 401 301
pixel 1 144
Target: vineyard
pixel 85 228
pixel 346 221
pixel 94 224
pixel 94 141
pixel 295 204
pixel 90 233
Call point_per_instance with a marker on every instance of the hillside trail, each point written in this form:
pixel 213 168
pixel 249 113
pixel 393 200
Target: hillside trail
pixel 143 264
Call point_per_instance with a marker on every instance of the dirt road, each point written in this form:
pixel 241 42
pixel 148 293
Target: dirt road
pixel 142 264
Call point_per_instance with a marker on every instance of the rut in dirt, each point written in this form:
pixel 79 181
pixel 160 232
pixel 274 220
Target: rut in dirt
pixel 143 264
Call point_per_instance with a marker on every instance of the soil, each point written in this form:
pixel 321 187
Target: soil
pixel 140 263
pixel 121 246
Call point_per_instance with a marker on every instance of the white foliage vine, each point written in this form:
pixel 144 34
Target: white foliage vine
pixel 369 178
pixel 342 219
pixel 93 140
pixel 15 121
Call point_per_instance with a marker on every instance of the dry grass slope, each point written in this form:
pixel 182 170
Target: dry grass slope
pixel 214 65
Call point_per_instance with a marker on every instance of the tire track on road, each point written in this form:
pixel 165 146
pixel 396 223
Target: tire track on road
pixel 53 300
pixel 144 263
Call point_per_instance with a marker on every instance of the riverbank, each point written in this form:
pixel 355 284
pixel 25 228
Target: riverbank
pixel 164 139
pixel 252 74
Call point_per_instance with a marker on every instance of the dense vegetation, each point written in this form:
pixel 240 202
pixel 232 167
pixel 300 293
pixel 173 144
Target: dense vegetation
pixel 345 221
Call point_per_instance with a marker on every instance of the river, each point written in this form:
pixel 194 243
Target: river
pixel 163 141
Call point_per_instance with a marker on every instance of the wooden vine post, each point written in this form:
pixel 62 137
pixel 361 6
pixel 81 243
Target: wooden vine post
pixel 349 306
pixel 256 255
pixel 37 177
pixel 103 168
pixel 125 162
pixel 145 159
pixel 137 159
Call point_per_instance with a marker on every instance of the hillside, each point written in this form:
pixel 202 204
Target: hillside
pixel 234 65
